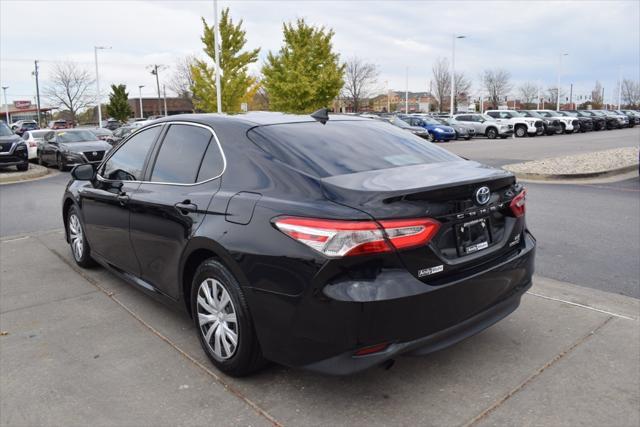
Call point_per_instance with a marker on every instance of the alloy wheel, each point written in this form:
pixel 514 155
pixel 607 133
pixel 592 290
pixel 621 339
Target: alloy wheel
pixel 76 236
pixel 217 319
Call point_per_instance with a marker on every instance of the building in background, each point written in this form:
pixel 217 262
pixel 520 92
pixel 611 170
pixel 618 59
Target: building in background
pixel 150 106
pixel 419 102
pixel 25 110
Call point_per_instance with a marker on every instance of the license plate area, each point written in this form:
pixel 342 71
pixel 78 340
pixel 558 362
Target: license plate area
pixel 473 236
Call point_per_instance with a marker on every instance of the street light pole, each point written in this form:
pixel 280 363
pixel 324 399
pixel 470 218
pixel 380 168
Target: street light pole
pixel 406 92
pixel 217 53
pixel 6 105
pixel 140 98
pixel 453 71
pixel 619 87
pixel 558 81
pixel 164 93
pixel 35 73
pixel 95 52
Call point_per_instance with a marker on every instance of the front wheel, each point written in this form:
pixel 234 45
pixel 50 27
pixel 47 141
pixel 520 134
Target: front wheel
pixel 221 316
pixel 77 240
pixel 521 131
pixel 60 163
pixel 431 138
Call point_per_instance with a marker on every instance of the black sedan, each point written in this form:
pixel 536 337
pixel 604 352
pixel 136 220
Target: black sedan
pixel 70 147
pixel 13 149
pixel 330 243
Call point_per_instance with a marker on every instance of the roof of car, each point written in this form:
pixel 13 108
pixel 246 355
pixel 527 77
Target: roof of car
pixel 257 118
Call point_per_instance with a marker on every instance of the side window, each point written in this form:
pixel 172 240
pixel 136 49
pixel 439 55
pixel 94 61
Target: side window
pixel 127 163
pixel 494 114
pixel 212 164
pixel 181 153
pixel 506 115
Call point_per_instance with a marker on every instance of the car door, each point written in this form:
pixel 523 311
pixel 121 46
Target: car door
pixel 105 202
pixel 50 147
pixel 171 204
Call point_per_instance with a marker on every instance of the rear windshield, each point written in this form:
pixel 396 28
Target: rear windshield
pixel 339 148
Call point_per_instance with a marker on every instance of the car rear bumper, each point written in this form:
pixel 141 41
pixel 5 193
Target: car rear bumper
pixel 321 332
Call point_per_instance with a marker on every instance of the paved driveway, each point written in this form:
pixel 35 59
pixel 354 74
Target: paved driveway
pixel 83 348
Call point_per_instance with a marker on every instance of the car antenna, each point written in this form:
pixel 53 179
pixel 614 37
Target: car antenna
pixel 321 115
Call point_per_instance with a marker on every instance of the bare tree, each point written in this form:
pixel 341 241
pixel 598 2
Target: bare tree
pixel 70 88
pixel 596 95
pixel 553 95
pixel 441 80
pixel 497 84
pixel 359 81
pixel 528 92
pixel 463 85
pixel 631 93
pixel 181 80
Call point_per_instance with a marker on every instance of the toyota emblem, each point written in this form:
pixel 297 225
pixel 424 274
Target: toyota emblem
pixel 483 195
pixel 95 153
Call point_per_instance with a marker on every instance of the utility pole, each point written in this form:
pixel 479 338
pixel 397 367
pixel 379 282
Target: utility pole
pixel 35 73
pixel 155 69
pixel 602 96
pixel 386 82
pixel 140 98
pixel 571 96
pixel 619 87
pixel 164 92
pixel 98 95
pixel 6 104
pixel 406 92
pixel 558 81
pixel 216 42
pixel 453 72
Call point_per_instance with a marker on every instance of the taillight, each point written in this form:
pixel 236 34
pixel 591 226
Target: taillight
pixel 517 204
pixel 338 238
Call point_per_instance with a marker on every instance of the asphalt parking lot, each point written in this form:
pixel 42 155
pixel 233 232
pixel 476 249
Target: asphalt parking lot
pixel 82 347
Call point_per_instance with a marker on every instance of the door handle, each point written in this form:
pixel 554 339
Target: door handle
pixel 185 207
pixel 123 199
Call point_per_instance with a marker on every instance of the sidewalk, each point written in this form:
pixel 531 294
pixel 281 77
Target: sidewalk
pixel 84 348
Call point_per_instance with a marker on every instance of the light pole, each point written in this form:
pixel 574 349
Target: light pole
pixel 217 53
pixel 95 52
pixel 164 94
pixel 406 92
pixel 36 73
pixel 154 70
pixel 6 105
pixel 453 70
pixel 140 98
pixel 386 83
pixel 619 87
pixel 558 81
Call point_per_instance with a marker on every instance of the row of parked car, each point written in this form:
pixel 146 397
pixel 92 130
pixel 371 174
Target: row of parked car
pixel 504 123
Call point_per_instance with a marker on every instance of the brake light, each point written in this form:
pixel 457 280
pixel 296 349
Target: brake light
pixel 338 238
pixel 365 351
pixel 517 204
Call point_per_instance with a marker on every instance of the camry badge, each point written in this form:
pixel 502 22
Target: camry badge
pixel 483 195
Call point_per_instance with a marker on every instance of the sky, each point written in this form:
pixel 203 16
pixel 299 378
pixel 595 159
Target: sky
pixel 601 38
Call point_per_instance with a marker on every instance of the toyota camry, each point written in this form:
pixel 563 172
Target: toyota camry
pixel 325 242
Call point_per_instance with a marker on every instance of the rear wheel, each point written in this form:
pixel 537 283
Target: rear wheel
pixel 222 318
pixel 491 133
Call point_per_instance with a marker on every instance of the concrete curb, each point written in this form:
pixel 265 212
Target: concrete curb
pixel 34 172
pixel 569 176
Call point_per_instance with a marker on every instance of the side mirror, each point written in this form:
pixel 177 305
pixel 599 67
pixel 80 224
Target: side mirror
pixel 84 172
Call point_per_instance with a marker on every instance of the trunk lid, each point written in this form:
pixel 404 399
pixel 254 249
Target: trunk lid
pixel 470 231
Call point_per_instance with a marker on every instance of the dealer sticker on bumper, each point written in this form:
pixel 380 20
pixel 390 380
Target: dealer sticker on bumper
pixel 429 271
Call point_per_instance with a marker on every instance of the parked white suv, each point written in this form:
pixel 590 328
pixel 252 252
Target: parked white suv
pixel 568 124
pixel 522 126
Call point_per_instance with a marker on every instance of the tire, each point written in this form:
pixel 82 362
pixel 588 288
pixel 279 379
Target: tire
pixel 431 138
pixel 521 131
pixel 491 133
pixel 40 161
pixel 78 240
pixel 236 360
pixel 563 128
pixel 60 163
pixel 467 138
pixel 23 167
